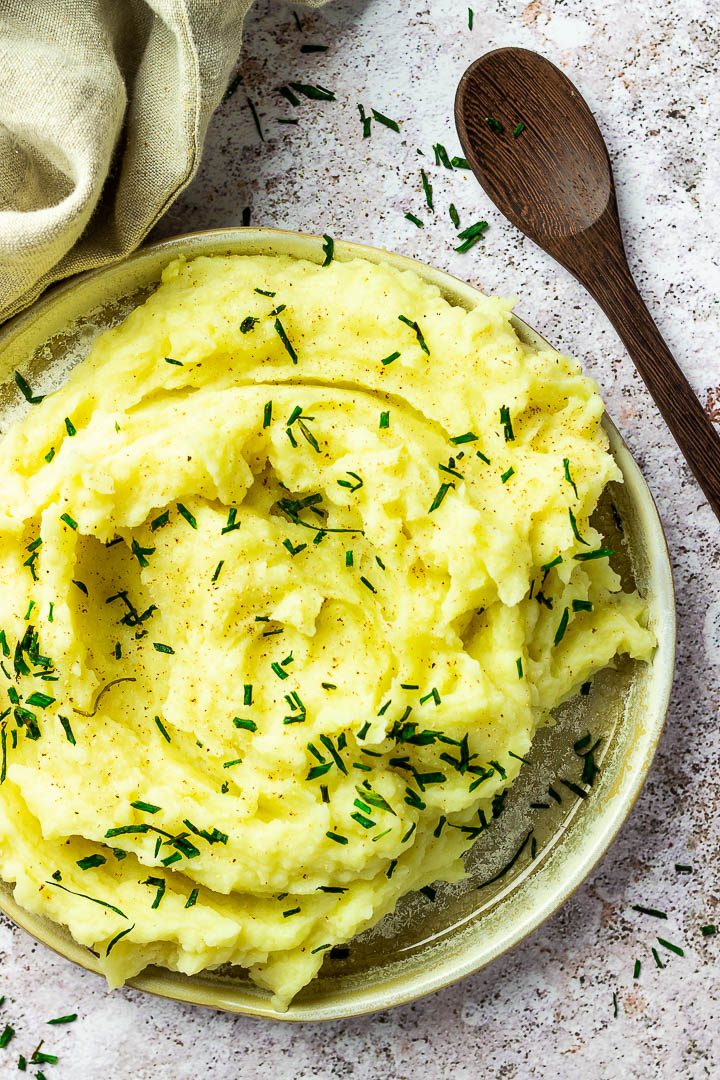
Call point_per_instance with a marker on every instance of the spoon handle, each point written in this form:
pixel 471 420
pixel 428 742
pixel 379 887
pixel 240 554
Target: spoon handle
pixel 611 283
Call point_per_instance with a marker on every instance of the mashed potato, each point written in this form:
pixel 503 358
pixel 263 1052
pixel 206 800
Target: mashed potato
pixel 291 570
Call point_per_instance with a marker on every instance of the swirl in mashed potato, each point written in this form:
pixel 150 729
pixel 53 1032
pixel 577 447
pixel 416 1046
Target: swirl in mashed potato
pixel 291 570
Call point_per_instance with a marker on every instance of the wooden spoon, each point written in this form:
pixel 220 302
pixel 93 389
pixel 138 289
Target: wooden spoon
pixel 554 181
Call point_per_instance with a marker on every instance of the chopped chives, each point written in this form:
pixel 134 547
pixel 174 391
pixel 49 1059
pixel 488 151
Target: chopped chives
pixel 574 527
pixel 366 121
pixel 177 363
pixel 192 898
pixel 248 725
pixel 412 323
pixel 159 884
pixel 24 388
pixel 111 946
pixel 368 584
pixel 64 1019
pixel 91 861
pixel 562 627
pixel 454 216
pixel 160 520
pixel 600 553
pixel 519 665
pixel 70 427
pixel 471 16
pixel 518 130
pixel 328 248
pixel 280 330
pixel 673 948
pixel 162 729
pixel 494 125
pixel 248 324
pixel 68 730
pixel 267 414
pixel 649 911
pixel 69 520
pixel 146 807
pixel 568 477
pixel 457 440
pixel 218 568
pixel 636 970
pixel 415 220
pixel 427 188
pixel 582 605
pixel 291 911
pixel 385 120
pixel 442 492
pixel 158 646
pixel 336 837
pixel 507 423
pixel 385 419
pixel 190 518
pixel 506 475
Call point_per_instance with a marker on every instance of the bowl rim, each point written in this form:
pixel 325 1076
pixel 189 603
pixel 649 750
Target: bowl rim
pixel 606 826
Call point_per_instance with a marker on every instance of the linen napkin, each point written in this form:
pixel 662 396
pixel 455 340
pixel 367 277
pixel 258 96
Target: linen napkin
pixel 104 105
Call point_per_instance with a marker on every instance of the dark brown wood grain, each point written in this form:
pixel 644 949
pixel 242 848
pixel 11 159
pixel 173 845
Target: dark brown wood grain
pixel 554 182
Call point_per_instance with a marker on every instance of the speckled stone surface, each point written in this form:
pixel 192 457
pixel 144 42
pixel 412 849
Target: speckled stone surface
pixel 651 73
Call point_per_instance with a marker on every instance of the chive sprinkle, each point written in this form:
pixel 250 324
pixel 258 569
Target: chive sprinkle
pixel 442 492
pixel 673 948
pixel 709 930
pixel 494 125
pixel 68 730
pixel 91 861
pixel 649 911
pixel 336 837
pixel 412 323
pixel 636 970
pixel 574 527
pixel 84 896
pixel 159 884
pixel 416 221
pixel 192 898
pixel 6 1036
pixel 519 665
pixel 385 120
pixel 64 1019
pixel 385 419
pixel 518 130
pixel 248 725
pixel 69 521
pixel 70 427
pixel 454 216
pixel 160 520
pixel 267 414
pixel 600 553
pixel 218 568
pixel 313 93
pixel 111 946
pixel 248 324
pixel 471 16
pixel 507 424
pixel 329 249
pixel 280 330
pixel 161 728
pixel 24 388
pixel 366 121
pixel 190 518
pixel 146 807
pixel 158 646
pixel 177 363
pixel 568 477
pixel 506 475
pixel 427 188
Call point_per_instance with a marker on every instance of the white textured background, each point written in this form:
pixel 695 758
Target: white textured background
pixel 650 72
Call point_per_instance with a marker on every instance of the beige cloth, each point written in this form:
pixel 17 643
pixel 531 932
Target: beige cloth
pixel 104 105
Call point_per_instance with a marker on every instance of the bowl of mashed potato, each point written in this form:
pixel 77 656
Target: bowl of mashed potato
pixel 336 625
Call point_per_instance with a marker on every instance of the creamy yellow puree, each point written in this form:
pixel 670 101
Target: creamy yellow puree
pixel 333 533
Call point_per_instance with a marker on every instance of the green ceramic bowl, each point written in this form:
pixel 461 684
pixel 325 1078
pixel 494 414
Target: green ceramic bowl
pixel 424 945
